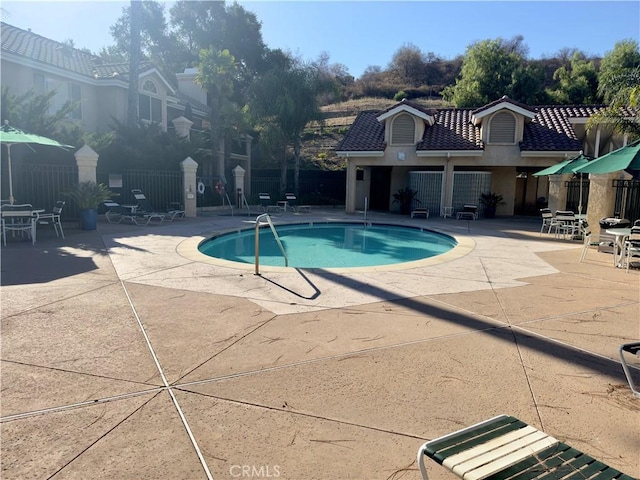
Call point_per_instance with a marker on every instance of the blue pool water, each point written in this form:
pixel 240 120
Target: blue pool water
pixel 330 245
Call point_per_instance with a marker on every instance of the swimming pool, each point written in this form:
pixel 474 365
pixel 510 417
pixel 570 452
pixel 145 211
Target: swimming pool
pixel 330 245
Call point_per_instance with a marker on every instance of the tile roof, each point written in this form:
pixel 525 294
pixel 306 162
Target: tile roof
pixel 27 44
pixel 550 130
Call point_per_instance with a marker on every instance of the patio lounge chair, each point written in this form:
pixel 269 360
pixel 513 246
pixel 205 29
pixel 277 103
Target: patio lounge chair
pixel 266 205
pixel 505 447
pixel 53 218
pixel 420 211
pixel 292 201
pixel 144 212
pixel 633 349
pixel 470 212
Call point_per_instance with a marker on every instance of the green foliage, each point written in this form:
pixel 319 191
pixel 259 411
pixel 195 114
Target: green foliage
pixel 576 84
pixel 33 113
pixel 401 95
pixel 88 195
pixel 146 146
pixel 491 69
pixel 621 61
pixel 405 198
pixel 492 199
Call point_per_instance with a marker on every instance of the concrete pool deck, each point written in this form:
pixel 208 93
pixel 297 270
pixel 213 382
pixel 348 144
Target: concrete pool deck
pixel 125 356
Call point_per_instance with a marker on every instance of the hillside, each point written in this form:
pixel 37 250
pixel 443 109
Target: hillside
pixel 319 142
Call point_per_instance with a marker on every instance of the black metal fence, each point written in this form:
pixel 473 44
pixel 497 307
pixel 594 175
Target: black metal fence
pixel 574 196
pixel 42 186
pixel 163 189
pixel 627 199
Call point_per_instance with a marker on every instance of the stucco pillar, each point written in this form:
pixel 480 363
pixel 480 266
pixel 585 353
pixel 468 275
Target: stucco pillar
pixel 189 168
pixel 602 197
pixel 350 204
pixel 238 181
pixel 183 127
pixel 446 196
pixel 558 192
pixel 87 161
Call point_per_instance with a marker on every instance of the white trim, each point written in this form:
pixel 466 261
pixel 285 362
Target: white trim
pixel 504 105
pixel 564 154
pixel 408 109
pixel 450 153
pixel 347 154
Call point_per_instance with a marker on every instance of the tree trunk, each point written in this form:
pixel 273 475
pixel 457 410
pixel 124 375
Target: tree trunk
pixel 296 172
pixel 134 62
pixel 283 172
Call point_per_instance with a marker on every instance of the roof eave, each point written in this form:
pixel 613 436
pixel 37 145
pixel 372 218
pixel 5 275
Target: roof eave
pixel 358 153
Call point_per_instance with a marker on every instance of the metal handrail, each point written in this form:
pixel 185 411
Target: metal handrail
pixel 275 234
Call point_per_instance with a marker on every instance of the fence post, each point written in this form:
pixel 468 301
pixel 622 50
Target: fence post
pixel 238 177
pixel 87 161
pixel 189 168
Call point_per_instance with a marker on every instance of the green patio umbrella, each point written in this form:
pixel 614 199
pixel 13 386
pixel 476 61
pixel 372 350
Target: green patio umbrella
pixel 568 166
pixel 11 136
pixel 625 158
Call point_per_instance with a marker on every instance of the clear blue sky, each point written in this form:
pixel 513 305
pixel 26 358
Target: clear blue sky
pixel 359 34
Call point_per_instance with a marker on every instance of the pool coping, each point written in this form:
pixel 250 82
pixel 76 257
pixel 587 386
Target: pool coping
pixel 189 249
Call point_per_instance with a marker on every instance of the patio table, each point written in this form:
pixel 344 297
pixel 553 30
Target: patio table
pixel 620 235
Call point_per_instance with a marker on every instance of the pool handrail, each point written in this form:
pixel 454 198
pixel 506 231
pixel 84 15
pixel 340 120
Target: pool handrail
pixel 275 234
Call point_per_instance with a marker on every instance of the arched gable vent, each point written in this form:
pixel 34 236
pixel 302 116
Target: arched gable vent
pixel 503 128
pixel 403 130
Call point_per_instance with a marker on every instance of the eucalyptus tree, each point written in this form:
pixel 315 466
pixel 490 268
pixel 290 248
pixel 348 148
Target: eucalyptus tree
pixel 491 69
pixel 217 71
pixel 134 61
pixel 576 83
pixel 285 100
pixel 619 85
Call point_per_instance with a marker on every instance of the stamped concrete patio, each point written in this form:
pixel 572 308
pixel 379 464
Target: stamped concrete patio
pixel 126 356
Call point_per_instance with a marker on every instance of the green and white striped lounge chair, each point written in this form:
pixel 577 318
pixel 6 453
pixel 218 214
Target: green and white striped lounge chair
pixel 504 447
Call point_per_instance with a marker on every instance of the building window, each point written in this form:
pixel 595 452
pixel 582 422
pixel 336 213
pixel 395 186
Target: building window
pixel 502 128
pixel 150 107
pixel 65 92
pixel 403 130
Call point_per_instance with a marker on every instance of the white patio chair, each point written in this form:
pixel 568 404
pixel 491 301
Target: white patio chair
pixel 631 247
pixel 588 241
pixel 18 218
pixel 547 220
pixel 52 218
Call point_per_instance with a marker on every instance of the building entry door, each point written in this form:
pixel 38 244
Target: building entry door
pixel 380 191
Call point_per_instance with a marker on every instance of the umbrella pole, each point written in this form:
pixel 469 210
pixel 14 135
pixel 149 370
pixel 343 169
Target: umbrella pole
pixel 580 202
pixel 11 199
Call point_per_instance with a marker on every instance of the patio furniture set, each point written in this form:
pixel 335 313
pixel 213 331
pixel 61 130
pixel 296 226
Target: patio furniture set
pixel 290 203
pixel 23 219
pixel 468 212
pixel 140 213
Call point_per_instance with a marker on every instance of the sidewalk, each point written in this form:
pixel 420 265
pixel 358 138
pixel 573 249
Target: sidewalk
pixel 124 357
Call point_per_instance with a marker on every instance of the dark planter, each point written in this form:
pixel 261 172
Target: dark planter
pixel 489 212
pixel 89 219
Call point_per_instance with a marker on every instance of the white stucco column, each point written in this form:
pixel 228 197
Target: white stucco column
pixel 238 181
pixel 350 203
pixel 183 127
pixel 446 196
pixel 87 161
pixel 602 197
pixel 558 192
pixel 189 168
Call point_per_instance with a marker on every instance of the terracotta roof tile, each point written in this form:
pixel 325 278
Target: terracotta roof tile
pixel 550 130
pixel 365 134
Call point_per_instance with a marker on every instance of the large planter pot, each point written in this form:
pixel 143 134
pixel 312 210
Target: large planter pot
pixel 489 212
pixel 89 219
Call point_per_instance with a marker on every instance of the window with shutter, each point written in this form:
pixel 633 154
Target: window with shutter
pixel 503 128
pixel 403 130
